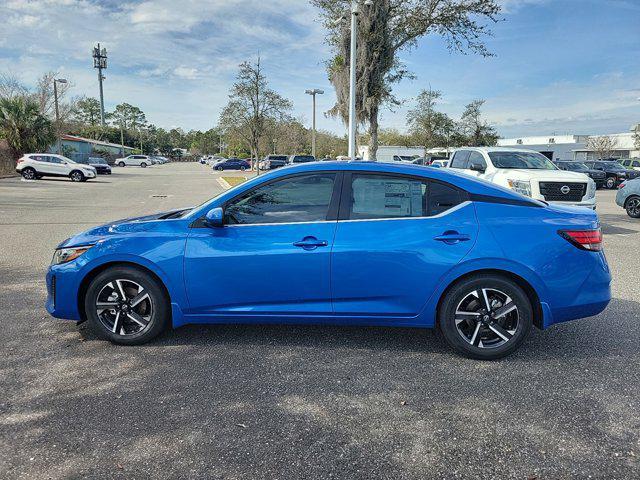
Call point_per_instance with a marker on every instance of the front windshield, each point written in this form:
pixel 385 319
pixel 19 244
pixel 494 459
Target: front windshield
pixel 524 160
pixel 101 161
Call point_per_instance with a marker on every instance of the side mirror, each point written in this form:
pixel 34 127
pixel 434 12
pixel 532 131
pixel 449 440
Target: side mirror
pixel 477 167
pixel 214 217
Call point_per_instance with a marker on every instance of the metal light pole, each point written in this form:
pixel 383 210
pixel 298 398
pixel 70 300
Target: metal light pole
pixel 355 9
pixel 55 99
pixel 100 62
pixel 274 145
pixel 313 93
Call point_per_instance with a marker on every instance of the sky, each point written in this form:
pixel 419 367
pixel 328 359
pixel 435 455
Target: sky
pixel 559 66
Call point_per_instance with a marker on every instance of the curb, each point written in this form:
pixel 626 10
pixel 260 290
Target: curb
pixel 223 183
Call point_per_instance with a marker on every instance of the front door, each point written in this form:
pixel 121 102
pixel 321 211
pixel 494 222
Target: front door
pixel 272 256
pixel 397 236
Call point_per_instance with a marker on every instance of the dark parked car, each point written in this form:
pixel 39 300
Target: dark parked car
pixel 100 164
pixel 598 176
pixel 615 172
pixel 231 164
pixel 273 161
pixel 301 158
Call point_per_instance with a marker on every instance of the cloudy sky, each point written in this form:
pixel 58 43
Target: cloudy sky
pixel 559 65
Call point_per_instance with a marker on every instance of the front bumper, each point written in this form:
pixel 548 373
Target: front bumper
pixel 62 291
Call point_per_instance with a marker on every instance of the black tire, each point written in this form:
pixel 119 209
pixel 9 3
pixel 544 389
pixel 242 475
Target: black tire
pixel 632 206
pixel 219 169
pixel 159 318
pixel 610 183
pixel 29 174
pixel 77 176
pixel 514 326
pixel 143 165
pixel 243 169
pixel 121 164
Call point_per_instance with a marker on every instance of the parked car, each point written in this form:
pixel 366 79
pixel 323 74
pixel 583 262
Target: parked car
pixel 99 163
pixel 273 161
pixel 428 160
pixel 615 172
pixel 631 163
pixel 527 172
pixel 628 197
pixel 597 176
pixel 301 159
pixel 440 163
pixel 134 161
pixel 348 243
pixel 231 164
pixel 33 166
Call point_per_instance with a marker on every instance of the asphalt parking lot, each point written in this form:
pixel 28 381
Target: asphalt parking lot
pixel 297 402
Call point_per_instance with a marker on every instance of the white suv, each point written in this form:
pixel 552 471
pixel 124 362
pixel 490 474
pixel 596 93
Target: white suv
pixel 37 165
pixel 134 161
pixel 527 172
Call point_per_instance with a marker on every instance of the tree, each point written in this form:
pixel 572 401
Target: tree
pixel 11 86
pixel 386 28
pixel 476 131
pixel 87 111
pixel 24 127
pixel 430 127
pixel 251 105
pixel 603 146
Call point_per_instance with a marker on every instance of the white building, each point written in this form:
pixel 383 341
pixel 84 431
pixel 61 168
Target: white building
pixel 622 147
pixel 386 153
pixel 554 147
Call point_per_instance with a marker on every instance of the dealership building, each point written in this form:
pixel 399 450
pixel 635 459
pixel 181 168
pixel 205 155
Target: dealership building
pixel 574 147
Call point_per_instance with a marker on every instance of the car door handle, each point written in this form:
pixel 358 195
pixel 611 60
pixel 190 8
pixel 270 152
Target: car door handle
pixel 310 243
pixel 451 237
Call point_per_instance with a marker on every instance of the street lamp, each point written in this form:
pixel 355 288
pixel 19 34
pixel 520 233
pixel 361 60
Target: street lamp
pixel 355 9
pixel 55 99
pixel 313 93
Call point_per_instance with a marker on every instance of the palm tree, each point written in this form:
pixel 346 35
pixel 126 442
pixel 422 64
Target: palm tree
pixel 23 126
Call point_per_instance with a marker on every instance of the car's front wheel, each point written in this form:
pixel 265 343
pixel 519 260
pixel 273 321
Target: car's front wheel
pixel 632 206
pixel 485 317
pixel 610 183
pixel 143 165
pixel 121 164
pixel 127 306
pixel 76 176
pixel 29 174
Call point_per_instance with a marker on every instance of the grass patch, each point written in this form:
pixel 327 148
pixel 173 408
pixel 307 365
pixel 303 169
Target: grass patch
pixel 233 181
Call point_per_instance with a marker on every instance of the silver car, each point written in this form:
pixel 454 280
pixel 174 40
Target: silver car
pixel 628 197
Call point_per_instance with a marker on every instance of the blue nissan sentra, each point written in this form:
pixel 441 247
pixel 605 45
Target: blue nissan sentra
pixel 343 243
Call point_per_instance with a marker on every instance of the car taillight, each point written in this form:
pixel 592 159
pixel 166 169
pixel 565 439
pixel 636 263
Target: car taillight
pixel 584 239
pixel 621 185
pixel 20 160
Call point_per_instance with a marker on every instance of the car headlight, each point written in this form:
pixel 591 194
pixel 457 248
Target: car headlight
pixel 522 187
pixel 66 255
pixel 591 189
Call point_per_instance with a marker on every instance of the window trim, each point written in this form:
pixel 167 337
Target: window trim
pixel 347 182
pixel 465 164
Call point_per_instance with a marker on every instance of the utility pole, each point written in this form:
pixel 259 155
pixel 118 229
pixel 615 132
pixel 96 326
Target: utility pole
pixel 55 99
pixel 100 62
pixel 313 93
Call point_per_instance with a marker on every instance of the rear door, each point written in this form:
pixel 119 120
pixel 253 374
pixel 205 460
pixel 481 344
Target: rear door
pixel 397 236
pixel 459 159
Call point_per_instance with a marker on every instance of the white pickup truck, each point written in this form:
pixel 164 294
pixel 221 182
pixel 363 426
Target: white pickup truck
pixel 527 172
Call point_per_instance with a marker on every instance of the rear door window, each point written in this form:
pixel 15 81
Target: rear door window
pixel 459 159
pixel 382 196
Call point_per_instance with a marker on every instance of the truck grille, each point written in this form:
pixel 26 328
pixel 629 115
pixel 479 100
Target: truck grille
pixel 553 191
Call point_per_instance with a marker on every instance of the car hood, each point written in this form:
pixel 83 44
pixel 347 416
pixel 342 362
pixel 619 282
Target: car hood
pixel 120 227
pixel 544 175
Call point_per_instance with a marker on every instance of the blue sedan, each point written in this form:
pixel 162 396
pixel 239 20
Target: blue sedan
pixel 343 243
pixel 231 164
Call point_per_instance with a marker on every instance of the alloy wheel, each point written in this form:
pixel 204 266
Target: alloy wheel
pixel 487 318
pixel 633 207
pixel 76 176
pixel 124 307
pixel 611 182
pixel 28 174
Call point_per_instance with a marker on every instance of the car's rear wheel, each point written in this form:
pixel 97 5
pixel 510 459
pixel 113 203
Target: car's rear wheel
pixel 610 183
pixel 143 165
pixel 485 317
pixel 76 176
pixel 632 206
pixel 121 164
pixel 29 174
pixel 243 168
pixel 127 306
